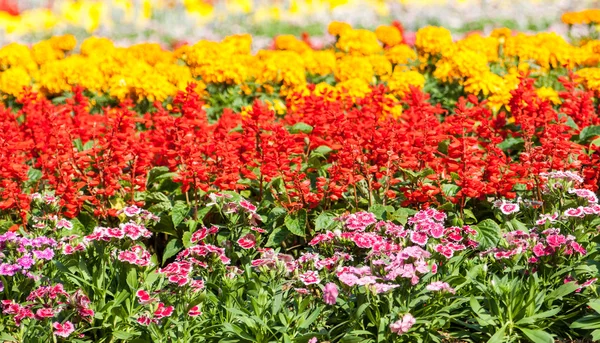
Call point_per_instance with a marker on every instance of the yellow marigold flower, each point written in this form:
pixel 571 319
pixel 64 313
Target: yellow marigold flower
pixel 458 63
pixel 319 62
pixel 44 52
pixel 354 88
pixel 63 42
pixel 96 45
pixel 178 75
pixel 400 81
pixel 281 67
pixel 486 83
pixel 358 42
pixel 15 54
pixel 501 33
pixel 433 40
pixel 56 77
pixel 388 35
pixel 14 80
pixel 590 77
pixel 582 17
pixel 486 46
pixel 401 54
pixel 336 28
pixel 545 49
pixel 238 44
pixel 291 43
pixel 150 53
pixel 381 66
pixel 549 94
pixel 354 67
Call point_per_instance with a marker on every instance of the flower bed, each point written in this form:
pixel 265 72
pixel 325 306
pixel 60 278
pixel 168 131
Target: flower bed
pixel 368 191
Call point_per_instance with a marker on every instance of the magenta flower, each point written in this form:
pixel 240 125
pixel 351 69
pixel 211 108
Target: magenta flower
pixel 310 277
pixel 194 311
pixel 575 212
pixel 509 208
pixel 44 313
pixel 556 241
pixel 247 242
pixel 8 269
pixel 131 211
pixel 248 206
pixel 163 311
pixel 63 330
pixel 330 293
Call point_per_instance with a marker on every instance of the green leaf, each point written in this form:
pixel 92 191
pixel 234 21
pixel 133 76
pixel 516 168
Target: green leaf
pixel 596 335
pixel 561 291
pixel 587 322
pixel 132 279
pixel 534 318
pixel 450 189
pixel 296 222
pixel 402 214
pixel 179 212
pixel 301 127
pixel 322 150
pixel 173 247
pixel 595 305
pixel 488 233
pixel 123 335
pixel 158 173
pixel 589 132
pixel 380 211
pixel 7 338
pixel 325 220
pixel 277 236
pixel 187 239
pixel 537 336
pixel 34 175
pixel 511 143
pixel 310 319
pixel 498 337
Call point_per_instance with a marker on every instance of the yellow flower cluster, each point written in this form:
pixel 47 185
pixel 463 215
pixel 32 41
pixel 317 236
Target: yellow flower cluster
pixel 591 16
pixel 432 40
pixel 485 66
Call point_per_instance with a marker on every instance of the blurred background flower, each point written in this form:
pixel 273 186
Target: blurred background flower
pixel 166 21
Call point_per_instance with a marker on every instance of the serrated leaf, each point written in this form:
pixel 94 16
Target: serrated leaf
pixel 301 127
pixel 589 132
pixel 380 211
pixel 173 247
pixel 322 150
pixel 277 236
pixel 179 212
pixel 488 233
pixel 325 220
pixel 511 143
pixel 187 239
pixel 296 222
pixel 34 175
